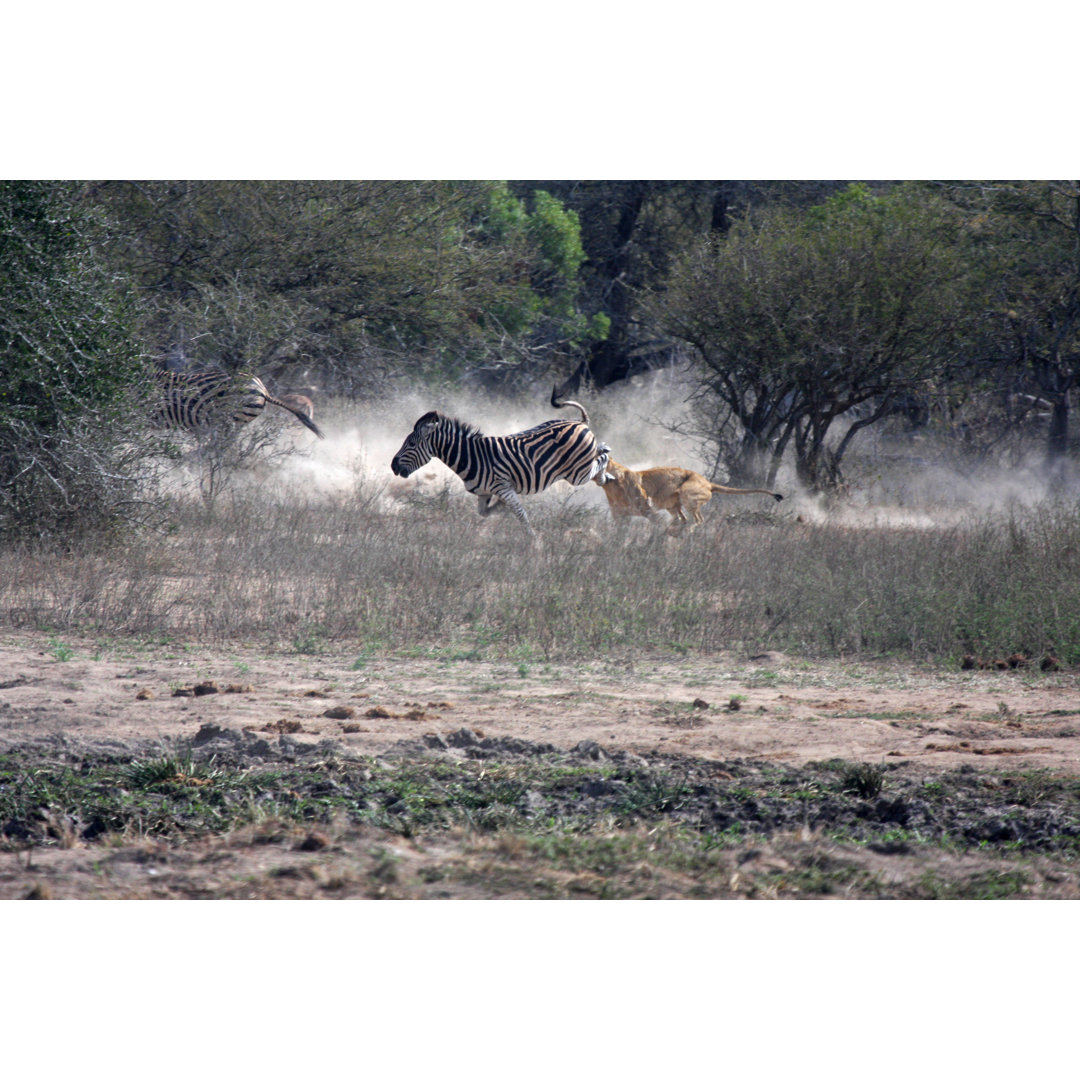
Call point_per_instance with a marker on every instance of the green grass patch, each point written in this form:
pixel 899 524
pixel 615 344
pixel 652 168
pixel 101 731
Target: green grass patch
pixel 550 825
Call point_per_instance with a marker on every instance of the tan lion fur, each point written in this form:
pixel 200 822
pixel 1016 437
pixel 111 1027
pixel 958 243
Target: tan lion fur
pixel 625 495
pixel 681 492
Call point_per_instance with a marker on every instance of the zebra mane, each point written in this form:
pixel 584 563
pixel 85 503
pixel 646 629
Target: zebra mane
pixel 455 425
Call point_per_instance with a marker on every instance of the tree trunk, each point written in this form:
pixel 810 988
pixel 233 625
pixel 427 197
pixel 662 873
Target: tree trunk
pixel 754 464
pixel 720 209
pixel 1057 440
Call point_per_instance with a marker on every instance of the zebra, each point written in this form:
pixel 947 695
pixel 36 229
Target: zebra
pixel 193 400
pixel 502 467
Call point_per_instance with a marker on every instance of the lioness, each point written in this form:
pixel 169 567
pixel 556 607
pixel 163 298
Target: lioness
pixel 678 491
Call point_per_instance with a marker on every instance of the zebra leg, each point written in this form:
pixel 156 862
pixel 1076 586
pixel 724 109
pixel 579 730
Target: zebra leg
pixel 509 496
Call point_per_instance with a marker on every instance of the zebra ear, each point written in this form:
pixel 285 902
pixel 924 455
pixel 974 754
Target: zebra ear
pixel 425 420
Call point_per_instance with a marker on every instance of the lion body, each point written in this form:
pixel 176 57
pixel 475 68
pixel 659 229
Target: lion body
pixel 681 492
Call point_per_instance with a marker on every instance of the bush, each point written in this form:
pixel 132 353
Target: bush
pixel 70 462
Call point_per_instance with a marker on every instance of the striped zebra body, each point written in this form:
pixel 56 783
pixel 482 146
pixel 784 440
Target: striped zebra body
pixel 500 468
pixel 193 401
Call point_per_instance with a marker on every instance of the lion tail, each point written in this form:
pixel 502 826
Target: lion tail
pixel 720 489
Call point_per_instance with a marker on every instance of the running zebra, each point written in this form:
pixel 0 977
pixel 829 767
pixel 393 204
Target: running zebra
pixel 502 467
pixel 193 400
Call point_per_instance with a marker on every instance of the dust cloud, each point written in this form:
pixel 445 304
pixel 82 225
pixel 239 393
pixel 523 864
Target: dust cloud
pixel 897 481
pixel 361 439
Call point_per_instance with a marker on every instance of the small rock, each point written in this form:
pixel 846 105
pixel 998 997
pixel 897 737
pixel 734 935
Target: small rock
pixel 700 703
pixel 590 749
pixel 461 737
pixel 340 712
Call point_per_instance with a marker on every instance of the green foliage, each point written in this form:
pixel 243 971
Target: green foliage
pixel 797 318
pixel 60 651
pixel 1026 270
pixel 362 281
pixel 851 200
pixel 171 769
pixel 799 303
pixel 544 284
pixel 507 218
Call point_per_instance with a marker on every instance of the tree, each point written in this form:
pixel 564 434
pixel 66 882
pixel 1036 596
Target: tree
pixel 1026 236
pixel 795 318
pixel 538 313
pixel 360 281
pixel 631 231
pixel 67 460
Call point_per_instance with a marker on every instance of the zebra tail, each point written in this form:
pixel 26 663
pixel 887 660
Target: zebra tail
pixel 298 414
pixel 557 404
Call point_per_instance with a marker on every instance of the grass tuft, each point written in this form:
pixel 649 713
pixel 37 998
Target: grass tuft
pixel 863 779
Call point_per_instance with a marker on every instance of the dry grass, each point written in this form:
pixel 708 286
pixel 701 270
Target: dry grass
pixel 424 575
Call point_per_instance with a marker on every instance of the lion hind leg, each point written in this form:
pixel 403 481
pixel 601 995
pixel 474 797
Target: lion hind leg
pixel 691 499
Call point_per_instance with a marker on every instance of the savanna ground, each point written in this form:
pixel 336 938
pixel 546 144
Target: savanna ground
pixel 306 776
pixel 361 689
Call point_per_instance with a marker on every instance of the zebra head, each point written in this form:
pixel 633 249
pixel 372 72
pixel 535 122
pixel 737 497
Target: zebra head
pixel 416 451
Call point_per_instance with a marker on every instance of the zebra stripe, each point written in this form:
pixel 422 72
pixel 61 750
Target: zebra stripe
pixel 194 400
pixel 502 467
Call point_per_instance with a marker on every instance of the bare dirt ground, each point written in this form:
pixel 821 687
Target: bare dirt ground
pixel 133 698
pixel 769 706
